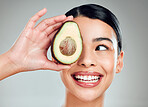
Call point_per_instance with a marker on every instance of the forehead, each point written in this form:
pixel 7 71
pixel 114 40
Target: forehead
pixel 94 28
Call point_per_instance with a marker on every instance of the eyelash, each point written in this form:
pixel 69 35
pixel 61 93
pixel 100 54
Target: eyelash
pixel 106 48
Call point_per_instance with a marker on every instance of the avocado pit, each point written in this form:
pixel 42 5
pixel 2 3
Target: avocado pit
pixel 68 46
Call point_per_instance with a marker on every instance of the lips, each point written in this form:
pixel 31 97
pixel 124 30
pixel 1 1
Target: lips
pixel 87 79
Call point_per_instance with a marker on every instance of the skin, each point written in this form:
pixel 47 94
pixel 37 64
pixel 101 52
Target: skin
pixel 29 52
pixel 105 61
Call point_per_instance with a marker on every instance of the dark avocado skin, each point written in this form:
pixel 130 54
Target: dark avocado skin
pixel 52 53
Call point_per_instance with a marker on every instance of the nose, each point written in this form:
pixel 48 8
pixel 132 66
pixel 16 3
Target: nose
pixel 87 59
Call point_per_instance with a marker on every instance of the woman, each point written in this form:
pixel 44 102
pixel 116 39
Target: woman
pixel 87 79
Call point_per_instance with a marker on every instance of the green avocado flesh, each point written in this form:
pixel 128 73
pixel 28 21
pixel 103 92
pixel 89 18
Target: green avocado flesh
pixel 67 43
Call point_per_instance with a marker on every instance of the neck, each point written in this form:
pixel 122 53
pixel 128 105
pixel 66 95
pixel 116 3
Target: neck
pixel 73 101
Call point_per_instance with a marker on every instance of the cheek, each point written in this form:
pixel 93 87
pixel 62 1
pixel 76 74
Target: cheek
pixel 109 67
pixel 107 62
pixel 65 74
pixel 63 77
pixel 66 78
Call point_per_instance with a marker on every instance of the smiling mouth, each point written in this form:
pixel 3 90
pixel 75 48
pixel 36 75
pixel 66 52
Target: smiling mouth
pixel 87 79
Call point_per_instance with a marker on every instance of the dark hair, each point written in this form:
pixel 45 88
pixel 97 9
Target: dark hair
pixel 94 11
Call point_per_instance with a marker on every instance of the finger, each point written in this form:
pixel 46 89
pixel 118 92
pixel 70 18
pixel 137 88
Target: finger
pixel 50 21
pixel 54 27
pixel 69 18
pixel 35 18
pixel 51 29
pixel 50 65
pixel 48 41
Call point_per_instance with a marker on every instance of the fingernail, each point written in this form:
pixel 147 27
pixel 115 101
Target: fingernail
pixel 63 15
pixel 44 9
pixel 71 16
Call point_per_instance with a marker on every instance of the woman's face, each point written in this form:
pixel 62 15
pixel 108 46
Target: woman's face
pixel 92 74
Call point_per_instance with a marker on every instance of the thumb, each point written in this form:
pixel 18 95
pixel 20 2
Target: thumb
pixel 50 65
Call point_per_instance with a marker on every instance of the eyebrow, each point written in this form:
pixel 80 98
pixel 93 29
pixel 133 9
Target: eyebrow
pixel 101 39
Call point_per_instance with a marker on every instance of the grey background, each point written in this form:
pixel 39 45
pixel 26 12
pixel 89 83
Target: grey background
pixel 44 88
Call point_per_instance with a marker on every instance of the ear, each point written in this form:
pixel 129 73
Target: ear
pixel 119 65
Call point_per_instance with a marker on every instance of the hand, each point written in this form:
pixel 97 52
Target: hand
pixel 30 50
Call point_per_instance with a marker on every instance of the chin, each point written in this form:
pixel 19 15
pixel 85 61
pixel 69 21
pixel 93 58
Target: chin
pixel 83 92
pixel 88 96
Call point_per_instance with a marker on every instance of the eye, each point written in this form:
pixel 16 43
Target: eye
pixel 101 48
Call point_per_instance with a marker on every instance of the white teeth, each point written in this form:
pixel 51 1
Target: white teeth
pixel 82 77
pixel 78 76
pixel 96 77
pixel 87 78
pixel 92 81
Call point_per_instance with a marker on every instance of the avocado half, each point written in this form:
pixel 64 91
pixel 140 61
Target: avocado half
pixel 67 43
